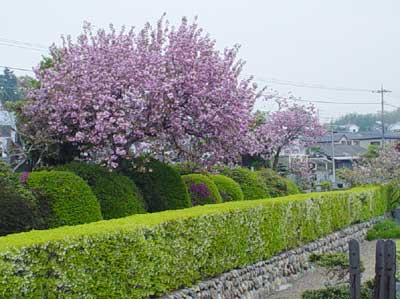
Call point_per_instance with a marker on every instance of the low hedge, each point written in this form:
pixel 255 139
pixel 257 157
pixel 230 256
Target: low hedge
pixel 161 184
pixel 202 189
pixel 339 292
pixel 117 194
pixel 252 186
pixel 228 188
pixel 277 186
pixel 148 255
pixel 70 198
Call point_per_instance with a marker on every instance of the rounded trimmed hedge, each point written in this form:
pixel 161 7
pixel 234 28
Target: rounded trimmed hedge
pixel 228 188
pixel 117 194
pixel 18 209
pixel 71 199
pixel 277 185
pixel 161 185
pixel 251 185
pixel 202 189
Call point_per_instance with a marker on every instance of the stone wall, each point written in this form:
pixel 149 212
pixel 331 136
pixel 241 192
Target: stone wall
pixel 264 277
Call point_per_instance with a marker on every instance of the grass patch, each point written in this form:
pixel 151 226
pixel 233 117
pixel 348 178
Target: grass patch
pixel 386 229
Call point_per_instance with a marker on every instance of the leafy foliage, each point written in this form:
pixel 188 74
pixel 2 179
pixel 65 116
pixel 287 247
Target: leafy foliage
pixel 18 208
pixel 161 185
pixel 277 186
pixel 72 200
pixel 252 186
pixel 117 194
pixel 202 189
pixel 228 188
pixel 160 252
pixel 386 229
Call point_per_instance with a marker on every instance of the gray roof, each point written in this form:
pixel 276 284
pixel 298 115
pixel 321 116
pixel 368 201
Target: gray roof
pixel 6 118
pixel 357 136
pixel 341 150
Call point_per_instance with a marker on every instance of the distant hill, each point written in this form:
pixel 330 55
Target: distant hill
pixel 368 122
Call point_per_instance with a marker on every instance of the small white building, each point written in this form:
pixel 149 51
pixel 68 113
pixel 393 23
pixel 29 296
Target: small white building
pixel 352 128
pixel 394 127
pixel 7 131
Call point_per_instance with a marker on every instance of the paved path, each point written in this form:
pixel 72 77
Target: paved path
pixel 316 279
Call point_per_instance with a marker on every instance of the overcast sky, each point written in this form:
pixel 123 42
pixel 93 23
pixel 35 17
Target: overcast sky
pixel 350 44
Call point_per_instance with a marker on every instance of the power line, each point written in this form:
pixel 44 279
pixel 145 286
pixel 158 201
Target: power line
pixel 21 46
pixel 16 68
pixel 308 85
pixel 17 42
pixel 333 102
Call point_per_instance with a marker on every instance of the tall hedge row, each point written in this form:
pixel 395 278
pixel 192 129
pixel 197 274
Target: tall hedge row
pixel 148 255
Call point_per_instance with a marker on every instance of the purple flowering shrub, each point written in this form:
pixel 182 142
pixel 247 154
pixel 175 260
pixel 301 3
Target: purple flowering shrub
pixel 24 177
pixel 202 189
pixel 198 193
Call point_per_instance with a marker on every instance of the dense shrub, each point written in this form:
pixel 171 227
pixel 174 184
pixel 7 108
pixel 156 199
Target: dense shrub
pixel 145 256
pixel 161 185
pixel 18 209
pixel 339 292
pixel 386 229
pixel 117 194
pixel 252 186
pixel 228 188
pixel 277 186
pixel 202 189
pixel 71 199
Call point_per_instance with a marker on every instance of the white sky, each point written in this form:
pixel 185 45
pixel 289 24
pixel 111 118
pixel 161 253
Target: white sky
pixel 341 43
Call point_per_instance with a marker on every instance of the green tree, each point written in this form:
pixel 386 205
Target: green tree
pixel 10 89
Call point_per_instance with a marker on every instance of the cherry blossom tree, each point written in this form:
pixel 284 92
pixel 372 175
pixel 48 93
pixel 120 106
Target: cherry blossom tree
pixel 292 125
pixel 163 90
pixel 378 169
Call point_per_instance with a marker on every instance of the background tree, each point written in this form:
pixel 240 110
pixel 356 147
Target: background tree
pixel 291 125
pixel 10 89
pixel 372 169
pixel 165 90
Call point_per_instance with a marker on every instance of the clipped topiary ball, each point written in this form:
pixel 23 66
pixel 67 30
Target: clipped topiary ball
pixel 18 209
pixel 202 189
pixel 117 194
pixel 228 188
pixel 277 185
pixel 71 199
pixel 161 185
pixel 250 183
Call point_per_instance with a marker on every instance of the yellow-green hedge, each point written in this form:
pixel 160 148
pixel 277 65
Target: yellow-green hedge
pixel 148 255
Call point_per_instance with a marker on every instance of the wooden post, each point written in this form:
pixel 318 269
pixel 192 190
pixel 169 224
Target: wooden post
pixel 379 284
pixel 355 273
pixel 390 269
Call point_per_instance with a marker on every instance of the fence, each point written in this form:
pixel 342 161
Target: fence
pixel 385 270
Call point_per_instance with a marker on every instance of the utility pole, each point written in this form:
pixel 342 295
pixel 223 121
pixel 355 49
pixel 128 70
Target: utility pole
pixel 382 91
pixel 333 157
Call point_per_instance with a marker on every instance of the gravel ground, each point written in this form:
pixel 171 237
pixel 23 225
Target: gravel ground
pixel 316 279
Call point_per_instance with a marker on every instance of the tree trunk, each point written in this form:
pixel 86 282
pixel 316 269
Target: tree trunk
pixel 276 159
